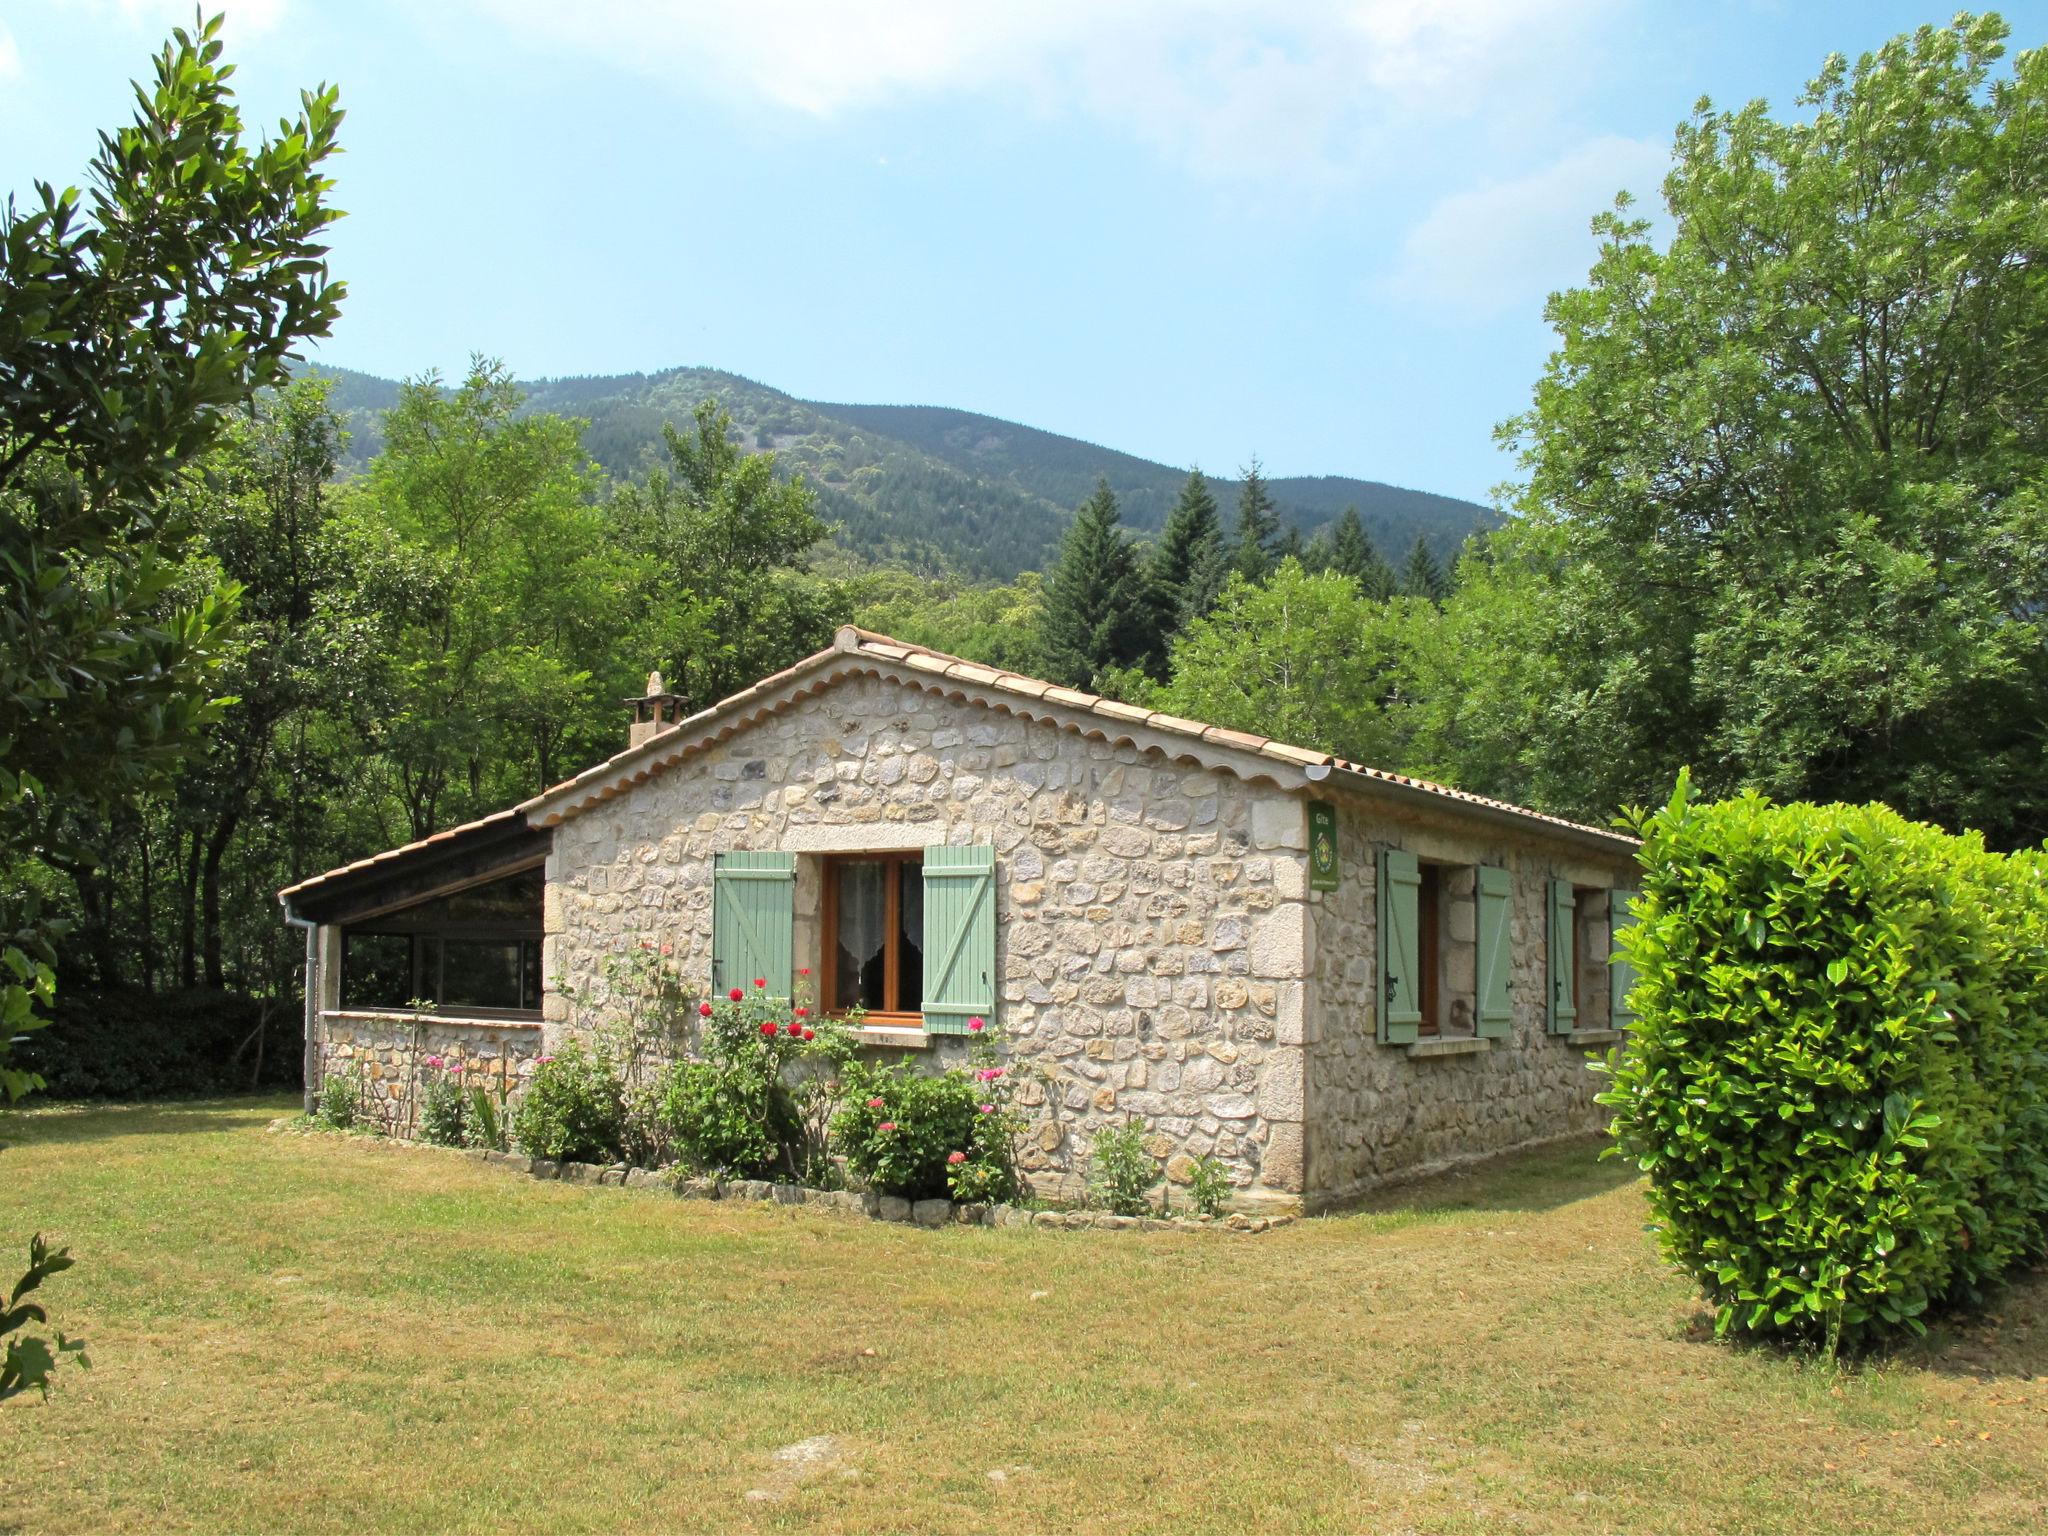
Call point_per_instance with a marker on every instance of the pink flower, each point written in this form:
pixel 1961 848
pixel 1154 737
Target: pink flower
pixel 989 1074
pixel 988 1109
pixel 976 1024
pixel 668 949
pixel 874 1103
pixel 456 1068
pixel 542 1061
pixel 805 971
pixel 705 1009
pixel 433 1061
pixel 956 1158
pixel 886 1125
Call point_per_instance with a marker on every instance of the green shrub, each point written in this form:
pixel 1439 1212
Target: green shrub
pixel 1209 1185
pixel 442 1106
pixel 138 1045
pixel 1838 1076
pixel 922 1135
pixel 722 1118
pixel 574 1108
pixel 341 1096
pixel 1120 1170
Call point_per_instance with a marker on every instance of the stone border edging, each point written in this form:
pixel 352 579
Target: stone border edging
pixel 891 1208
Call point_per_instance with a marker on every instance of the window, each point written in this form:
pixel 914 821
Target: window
pixel 873 932
pixel 1429 938
pixel 475 951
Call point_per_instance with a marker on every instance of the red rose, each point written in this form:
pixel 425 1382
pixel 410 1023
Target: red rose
pixel 705 1009
pixel 874 1103
pixel 735 994
pixel 795 1028
pixel 808 1035
pixel 768 1029
pixel 803 1013
pixel 886 1125
pixel 956 1158
pixel 805 971
pixel 761 982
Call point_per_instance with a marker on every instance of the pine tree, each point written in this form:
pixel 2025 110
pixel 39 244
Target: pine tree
pixel 1187 563
pixel 1099 609
pixel 1258 522
pixel 1291 546
pixel 1423 576
pixel 1351 553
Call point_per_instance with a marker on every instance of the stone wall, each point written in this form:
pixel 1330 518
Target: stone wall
pixel 1150 916
pixel 384 1053
pixel 1376 1110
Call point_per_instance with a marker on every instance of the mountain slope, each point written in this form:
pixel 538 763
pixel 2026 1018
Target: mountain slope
pixel 925 486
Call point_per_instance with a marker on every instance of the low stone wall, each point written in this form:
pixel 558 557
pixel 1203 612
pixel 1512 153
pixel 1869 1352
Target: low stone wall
pixel 385 1054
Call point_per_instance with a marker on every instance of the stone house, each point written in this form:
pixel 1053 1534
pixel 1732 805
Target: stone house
pixel 1322 973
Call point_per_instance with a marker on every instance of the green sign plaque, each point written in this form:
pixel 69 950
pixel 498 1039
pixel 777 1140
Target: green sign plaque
pixel 1322 846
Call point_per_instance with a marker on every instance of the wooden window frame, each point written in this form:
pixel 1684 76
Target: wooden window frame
pixel 895 861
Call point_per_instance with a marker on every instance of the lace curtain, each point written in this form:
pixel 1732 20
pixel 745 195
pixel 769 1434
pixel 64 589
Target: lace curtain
pixel 863 914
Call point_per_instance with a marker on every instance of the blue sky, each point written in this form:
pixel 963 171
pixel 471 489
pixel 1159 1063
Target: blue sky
pixel 1191 229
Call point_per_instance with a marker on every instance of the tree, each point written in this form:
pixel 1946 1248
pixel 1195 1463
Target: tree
pixel 727 543
pixel 1796 455
pixel 1349 551
pixel 1258 525
pixel 133 321
pixel 1187 564
pixel 1098 614
pixel 1303 658
pixel 1422 576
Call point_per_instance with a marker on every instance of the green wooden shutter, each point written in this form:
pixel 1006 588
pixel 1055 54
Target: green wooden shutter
pixel 959 937
pixel 1496 955
pixel 753 921
pixel 1400 996
pixel 1621 976
pixel 1563 1011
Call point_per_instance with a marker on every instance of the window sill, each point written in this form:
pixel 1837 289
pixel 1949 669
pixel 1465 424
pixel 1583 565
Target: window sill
pixel 1596 1036
pixel 407 1016
pixel 1464 1045
pixel 895 1037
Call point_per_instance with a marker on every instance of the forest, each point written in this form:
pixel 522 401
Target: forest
pixel 1782 519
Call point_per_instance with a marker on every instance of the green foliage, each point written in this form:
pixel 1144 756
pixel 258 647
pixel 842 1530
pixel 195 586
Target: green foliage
pixel 725 1117
pixel 1258 526
pixel 1188 565
pixel 30 1361
pixel 1346 549
pixel 1422 577
pixel 720 526
pixel 1838 1075
pixel 921 1135
pixel 1100 612
pixel 1209 1185
pixel 573 1109
pixel 483 1121
pixel 1793 459
pixel 1305 659
pixel 130 1045
pixel 1120 1171
pixel 997 626
pixel 444 1107
pixel 341 1101
pixel 132 320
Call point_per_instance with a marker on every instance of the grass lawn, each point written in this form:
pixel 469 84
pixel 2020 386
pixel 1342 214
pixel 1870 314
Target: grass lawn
pixel 314 1334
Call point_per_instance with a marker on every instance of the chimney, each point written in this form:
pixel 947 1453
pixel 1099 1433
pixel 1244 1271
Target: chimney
pixel 654 711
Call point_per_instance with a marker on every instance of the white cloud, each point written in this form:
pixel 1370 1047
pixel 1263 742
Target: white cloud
pixel 1231 88
pixel 10 55
pixel 1510 243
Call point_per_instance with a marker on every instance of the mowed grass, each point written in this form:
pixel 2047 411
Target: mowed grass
pixel 319 1334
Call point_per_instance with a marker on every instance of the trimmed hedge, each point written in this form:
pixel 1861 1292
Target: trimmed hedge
pixel 131 1045
pixel 1838 1076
